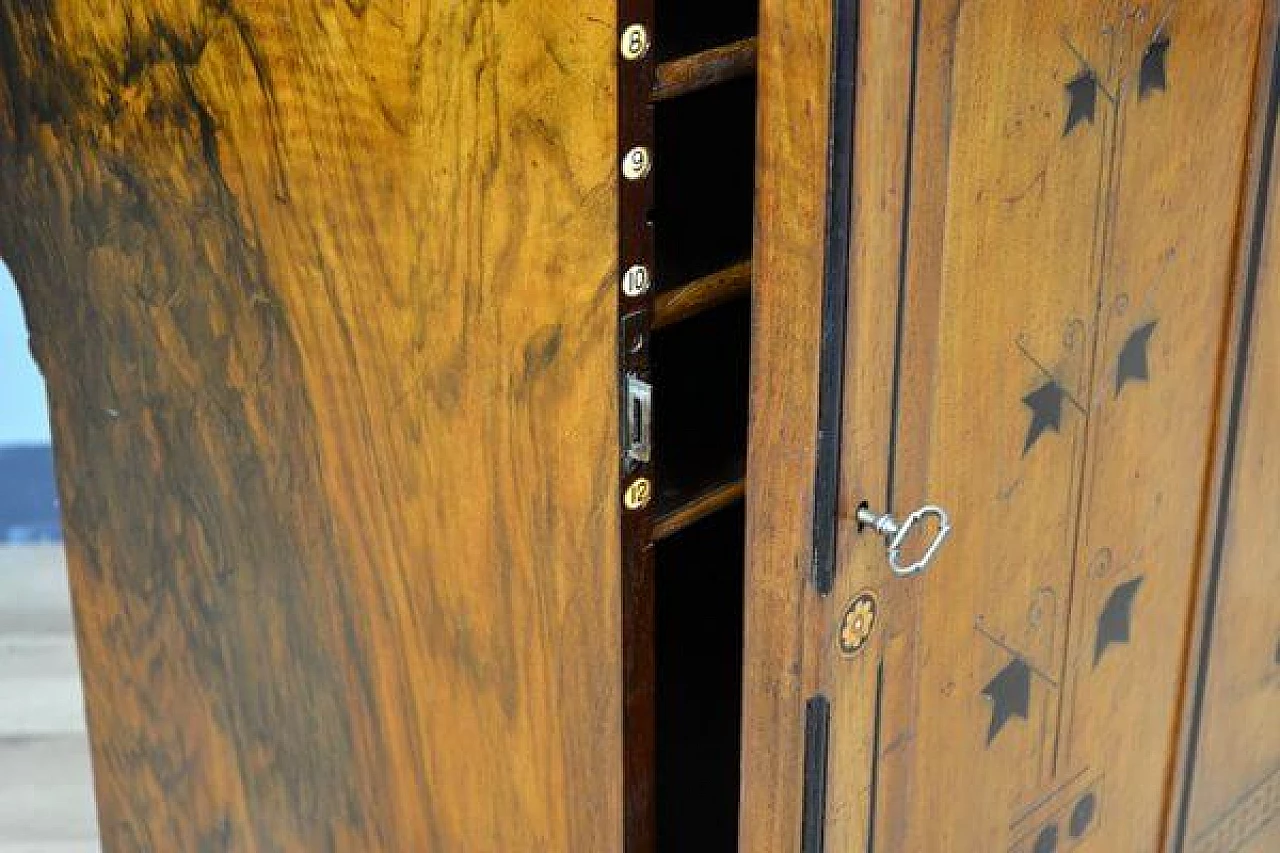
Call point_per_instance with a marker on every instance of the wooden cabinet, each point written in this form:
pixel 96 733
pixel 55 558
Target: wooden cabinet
pixel 464 413
pixel 1055 329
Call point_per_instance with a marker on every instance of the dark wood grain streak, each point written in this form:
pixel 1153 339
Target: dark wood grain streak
pixel 338 486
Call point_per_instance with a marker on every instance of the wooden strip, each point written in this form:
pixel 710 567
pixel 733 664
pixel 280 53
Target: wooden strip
pixel 835 294
pixel 701 294
pixel 1227 740
pixel 697 508
pixel 636 254
pixel 705 69
pixel 862 699
pixel 781 651
pixel 817 730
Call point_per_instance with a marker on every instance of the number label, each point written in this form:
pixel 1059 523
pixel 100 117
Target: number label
pixel 635 281
pixel 637 163
pixel 635 42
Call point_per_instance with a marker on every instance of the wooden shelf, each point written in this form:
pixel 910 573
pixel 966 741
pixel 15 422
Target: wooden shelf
pixel 697 508
pixel 700 70
pixel 701 294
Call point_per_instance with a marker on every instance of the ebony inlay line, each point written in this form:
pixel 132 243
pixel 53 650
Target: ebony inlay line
pixel 835 296
pixel 697 508
pixel 904 245
pixel 704 69
pixel 701 294
pixel 874 784
pixel 1247 309
pixel 817 725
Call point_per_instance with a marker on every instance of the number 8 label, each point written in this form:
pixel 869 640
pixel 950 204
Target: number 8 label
pixel 635 42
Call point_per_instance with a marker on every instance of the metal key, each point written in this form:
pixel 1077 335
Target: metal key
pixel 895 535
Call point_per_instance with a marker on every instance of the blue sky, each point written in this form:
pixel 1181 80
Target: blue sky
pixel 23 417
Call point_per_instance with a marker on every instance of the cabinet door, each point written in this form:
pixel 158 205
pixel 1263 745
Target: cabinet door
pixel 1045 204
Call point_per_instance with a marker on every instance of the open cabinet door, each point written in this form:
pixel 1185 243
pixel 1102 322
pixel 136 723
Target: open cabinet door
pixel 1018 311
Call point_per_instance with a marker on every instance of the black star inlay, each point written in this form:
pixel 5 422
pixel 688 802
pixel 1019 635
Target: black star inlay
pixel 1151 75
pixel 1010 695
pixel 1133 357
pixel 1117 615
pixel 1045 404
pixel 1082 95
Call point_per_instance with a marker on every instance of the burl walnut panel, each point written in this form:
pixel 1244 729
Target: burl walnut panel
pixel 323 292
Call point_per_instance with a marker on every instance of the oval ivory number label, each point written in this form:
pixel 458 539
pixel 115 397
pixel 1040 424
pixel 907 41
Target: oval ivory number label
pixel 635 282
pixel 635 42
pixel 638 494
pixel 637 163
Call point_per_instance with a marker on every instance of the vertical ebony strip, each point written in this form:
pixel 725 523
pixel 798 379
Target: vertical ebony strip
pixel 636 248
pixel 835 295
pixel 817 724
pixel 904 247
pixel 1257 239
pixel 874 785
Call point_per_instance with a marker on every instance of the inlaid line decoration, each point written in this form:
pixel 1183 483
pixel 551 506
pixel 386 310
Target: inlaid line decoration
pixel 817 723
pixel 1103 94
pixel 835 293
pixel 1244 819
pixel 1225 488
pixel 904 254
pixel 1061 819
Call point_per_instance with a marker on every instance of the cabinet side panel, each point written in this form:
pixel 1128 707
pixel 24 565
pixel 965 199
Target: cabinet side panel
pixel 323 294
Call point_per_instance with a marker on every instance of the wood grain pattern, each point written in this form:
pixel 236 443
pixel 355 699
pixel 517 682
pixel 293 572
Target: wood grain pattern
pixel 324 298
pixel 793 104
pixel 697 508
pixel 1233 699
pixel 1037 250
pixel 1030 254
pixel 693 73
pixel 870 723
pixel 703 294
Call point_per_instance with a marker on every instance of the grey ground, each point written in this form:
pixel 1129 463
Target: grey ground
pixel 46 790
